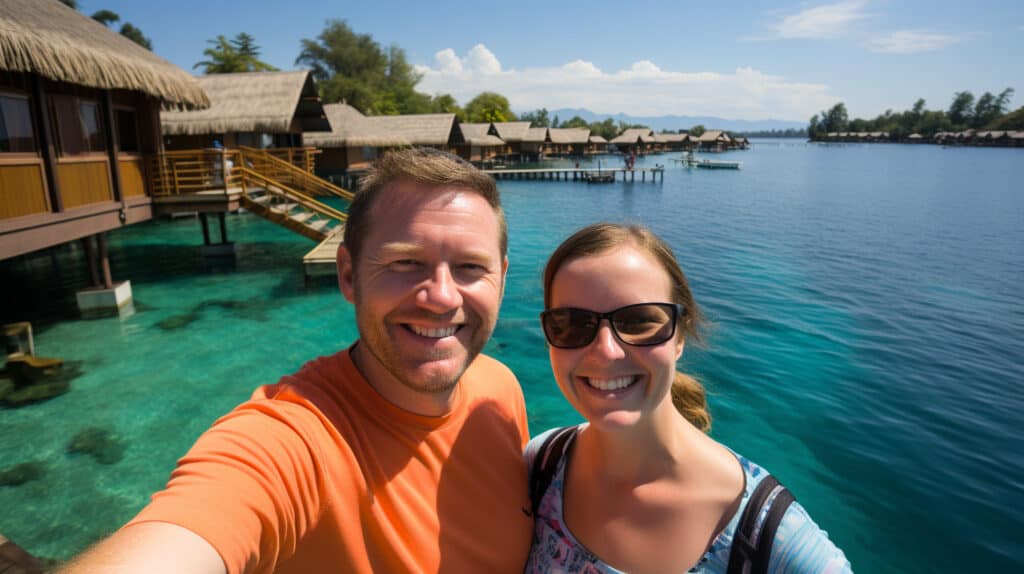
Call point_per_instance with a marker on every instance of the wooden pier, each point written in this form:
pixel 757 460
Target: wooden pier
pixel 322 259
pixel 578 173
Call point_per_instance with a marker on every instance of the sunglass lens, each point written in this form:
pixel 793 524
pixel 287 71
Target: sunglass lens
pixel 570 327
pixel 648 324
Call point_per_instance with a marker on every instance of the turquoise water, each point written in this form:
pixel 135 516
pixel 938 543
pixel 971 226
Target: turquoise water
pixel 866 347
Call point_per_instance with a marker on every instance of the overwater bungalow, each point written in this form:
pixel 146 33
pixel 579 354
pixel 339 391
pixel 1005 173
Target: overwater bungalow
pixel 673 142
pixel 638 140
pixel 355 140
pixel 597 145
pixel 265 110
pixel 534 143
pixel 714 140
pixel 478 143
pixel 513 134
pixel 79 115
pixel 568 141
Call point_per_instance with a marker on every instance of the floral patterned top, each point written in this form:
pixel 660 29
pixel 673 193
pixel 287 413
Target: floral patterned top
pixel 799 546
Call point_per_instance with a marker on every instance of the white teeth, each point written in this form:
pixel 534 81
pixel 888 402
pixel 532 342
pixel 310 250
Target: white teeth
pixel 611 384
pixel 434 333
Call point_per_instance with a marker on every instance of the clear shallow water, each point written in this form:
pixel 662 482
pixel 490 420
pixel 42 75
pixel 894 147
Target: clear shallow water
pixel 867 342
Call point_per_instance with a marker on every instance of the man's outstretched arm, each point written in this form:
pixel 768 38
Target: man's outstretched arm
pixel 152 547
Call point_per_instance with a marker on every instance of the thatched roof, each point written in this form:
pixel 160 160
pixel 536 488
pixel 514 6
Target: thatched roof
pixel 46 37
pixel 569 135
pixel 670 138
pixel 536 135
pixel 714 135
pixel 511 132
pixel 632 135
pixel 476 135
pixel 597 140
pixel 350 128
pixel 268 102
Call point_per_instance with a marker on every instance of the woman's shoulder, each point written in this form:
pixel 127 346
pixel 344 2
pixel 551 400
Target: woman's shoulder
pixel 800 545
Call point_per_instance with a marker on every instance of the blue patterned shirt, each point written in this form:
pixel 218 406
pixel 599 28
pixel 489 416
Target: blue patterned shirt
pixel 800 547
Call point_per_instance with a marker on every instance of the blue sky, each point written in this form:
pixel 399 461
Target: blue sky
pixel 737 60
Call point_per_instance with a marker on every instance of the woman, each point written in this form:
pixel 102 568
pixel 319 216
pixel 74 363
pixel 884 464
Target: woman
pixel 640 487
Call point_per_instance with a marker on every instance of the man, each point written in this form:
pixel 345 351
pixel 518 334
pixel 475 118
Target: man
pixel 399 454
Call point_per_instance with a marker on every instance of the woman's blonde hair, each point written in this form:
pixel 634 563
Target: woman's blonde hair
pixel 688 394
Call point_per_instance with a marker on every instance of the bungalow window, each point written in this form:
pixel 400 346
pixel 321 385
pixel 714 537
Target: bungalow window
pixel 16 133
pixel 78 125
pixel 127 131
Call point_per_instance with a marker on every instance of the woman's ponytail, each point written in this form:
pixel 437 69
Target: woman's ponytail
pixel 690 400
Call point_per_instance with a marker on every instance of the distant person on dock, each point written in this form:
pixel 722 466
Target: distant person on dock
pixel 640 487
pixel 401 453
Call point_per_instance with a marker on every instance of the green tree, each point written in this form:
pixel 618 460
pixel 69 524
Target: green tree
pixel 109 17
pixel 73 4
pixel 538 118
pixel 489 107
pixel 1011 121
pixel 960 109
pixel 240 54
pixel 106 17
pixel 554 121
pixel 135 35
pixel 575 122
pixel 354 68
pixel 696 131
pixel 607 128
pixel 445 104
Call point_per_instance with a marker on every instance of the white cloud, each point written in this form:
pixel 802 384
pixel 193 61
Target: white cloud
pixel 826 21
pixel 642 89
pixel 910 42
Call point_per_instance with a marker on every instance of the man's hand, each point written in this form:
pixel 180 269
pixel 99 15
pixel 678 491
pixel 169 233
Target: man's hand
pixel 152 547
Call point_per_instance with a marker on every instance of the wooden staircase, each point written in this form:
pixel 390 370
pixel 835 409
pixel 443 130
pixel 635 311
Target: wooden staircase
pixel 291 208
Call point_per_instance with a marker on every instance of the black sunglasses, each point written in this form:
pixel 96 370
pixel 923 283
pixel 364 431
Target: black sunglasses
pixel 640 325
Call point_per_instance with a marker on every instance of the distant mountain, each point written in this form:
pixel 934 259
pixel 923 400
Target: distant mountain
pixel 674 123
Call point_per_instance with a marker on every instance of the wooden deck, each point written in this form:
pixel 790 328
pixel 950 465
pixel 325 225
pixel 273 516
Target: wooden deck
pixel 322 259
pixel 578 173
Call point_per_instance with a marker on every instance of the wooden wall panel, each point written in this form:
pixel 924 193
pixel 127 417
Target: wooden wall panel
pixel 84 182
pixel 22 191
pixel 133 181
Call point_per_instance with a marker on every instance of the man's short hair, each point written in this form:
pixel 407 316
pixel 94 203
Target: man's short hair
pixel 421 165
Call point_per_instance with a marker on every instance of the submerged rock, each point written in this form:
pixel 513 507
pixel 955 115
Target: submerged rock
pixel 21 473
pixel 99 443
pixel 175 322
pixel 36 392
pixel 6 386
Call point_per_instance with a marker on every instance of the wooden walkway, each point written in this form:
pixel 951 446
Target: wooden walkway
pixel 578 173
pixel 322 259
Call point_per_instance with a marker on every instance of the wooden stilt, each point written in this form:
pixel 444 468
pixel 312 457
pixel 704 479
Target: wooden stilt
pixel 223 227
pixel 90 256
pixel 108 282
pixel 206 228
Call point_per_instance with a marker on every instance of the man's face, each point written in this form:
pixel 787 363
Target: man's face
pixel 427 288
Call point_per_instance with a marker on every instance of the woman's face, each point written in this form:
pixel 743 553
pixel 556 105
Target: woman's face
pixel 609 382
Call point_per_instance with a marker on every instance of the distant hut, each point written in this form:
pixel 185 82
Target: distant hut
pixel 79 115
pixel 513 134
pixel 254 109
pixel 673 142
pixel 639 140
pixel 1016 138
pixel 740 143
pixel 569 141
pixel 597 145
pixel 714 140
pixel 478 144
pixel 356 140
pixel 534 142
pixel 915 138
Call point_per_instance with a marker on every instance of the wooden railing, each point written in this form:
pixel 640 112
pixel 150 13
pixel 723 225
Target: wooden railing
pixel 193 171
pixel 250 179
pixel 301 157
pixel 270 165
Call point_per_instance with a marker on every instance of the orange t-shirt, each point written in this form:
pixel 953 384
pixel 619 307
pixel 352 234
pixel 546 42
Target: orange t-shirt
pixel 320 473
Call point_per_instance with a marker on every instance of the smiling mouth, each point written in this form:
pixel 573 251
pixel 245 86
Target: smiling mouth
pixel 434 333
pixel 611 384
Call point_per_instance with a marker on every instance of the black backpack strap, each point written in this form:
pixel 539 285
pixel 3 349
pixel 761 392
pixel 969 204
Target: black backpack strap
pixel 750 544
pixel 545 462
